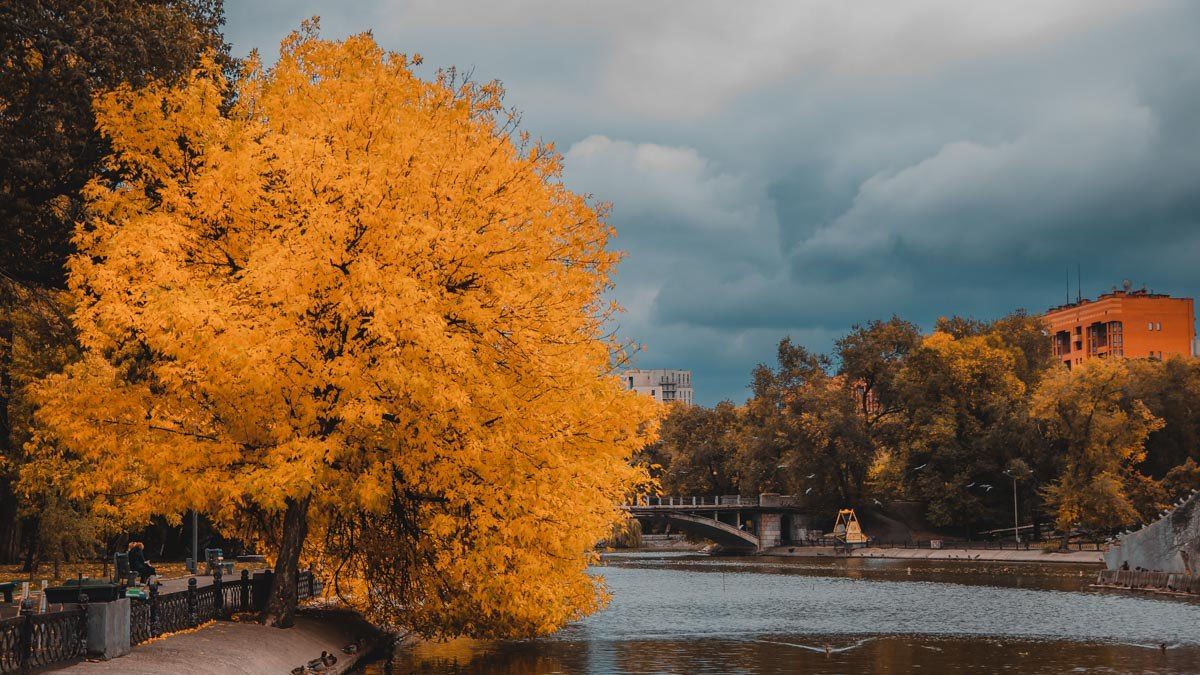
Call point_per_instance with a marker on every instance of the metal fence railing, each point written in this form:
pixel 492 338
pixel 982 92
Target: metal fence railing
pixel 173 612
pixel 29 641
pixel 707 500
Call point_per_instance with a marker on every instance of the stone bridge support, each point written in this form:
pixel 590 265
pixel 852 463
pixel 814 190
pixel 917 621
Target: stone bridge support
pixel 770 529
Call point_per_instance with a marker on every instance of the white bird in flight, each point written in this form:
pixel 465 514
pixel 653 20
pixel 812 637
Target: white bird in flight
pixel 808 491
pixel 812 475
pixel 921 467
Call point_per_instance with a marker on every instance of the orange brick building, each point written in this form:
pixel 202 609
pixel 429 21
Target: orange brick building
pixel 1128 323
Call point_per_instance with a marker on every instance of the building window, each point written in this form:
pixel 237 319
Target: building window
pixel 1150 326
pixel 631 382
pixel 1116 338
pixel 1158 326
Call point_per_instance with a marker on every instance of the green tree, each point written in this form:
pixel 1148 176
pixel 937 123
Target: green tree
pixel 57 55
pixel 964 423
pixel 41 343
pixel 1171 391
pixel 808 430
pixel 870 359
pixel 698 449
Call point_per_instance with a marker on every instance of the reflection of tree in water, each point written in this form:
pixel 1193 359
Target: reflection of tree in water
pixel 463 656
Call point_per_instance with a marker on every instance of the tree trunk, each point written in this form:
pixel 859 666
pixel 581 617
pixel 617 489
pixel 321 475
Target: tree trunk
pixel 10 531
pixel 281 605
pixel 10 521
pixel 31 545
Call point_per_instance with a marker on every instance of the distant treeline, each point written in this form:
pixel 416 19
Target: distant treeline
pixel 949 419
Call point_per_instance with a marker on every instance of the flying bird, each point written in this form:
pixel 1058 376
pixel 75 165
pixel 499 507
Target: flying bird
pixel 808 491
pixel 812 475
pixel 987 488
pixel 971 484
pixel 921 467
pixel 877 502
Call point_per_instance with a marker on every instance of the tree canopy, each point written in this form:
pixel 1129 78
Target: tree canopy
pixel 57 55
pixel 359 303
pixel 955 420
pixel 1101 432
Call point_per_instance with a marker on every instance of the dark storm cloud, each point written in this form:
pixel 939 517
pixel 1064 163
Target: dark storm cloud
pixel 797 167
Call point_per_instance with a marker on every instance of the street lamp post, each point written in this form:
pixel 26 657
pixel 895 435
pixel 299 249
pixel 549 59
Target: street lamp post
pixel 195 543
pixel 1016 525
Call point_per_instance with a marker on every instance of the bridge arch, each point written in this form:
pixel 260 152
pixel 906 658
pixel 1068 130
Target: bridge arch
pixel 724 534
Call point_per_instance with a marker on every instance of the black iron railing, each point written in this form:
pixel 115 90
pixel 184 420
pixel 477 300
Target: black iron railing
pixel 10 643
pixel 173 612
pixel 29 641
pixel 56 637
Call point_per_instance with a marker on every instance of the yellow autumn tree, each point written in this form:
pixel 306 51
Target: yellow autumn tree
pixel 356 316
pixel 1100 431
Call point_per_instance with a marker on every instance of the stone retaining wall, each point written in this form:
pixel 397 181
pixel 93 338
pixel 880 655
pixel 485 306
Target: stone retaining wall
pixel 1169 544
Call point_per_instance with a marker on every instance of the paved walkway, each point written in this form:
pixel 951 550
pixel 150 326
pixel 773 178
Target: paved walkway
pixel 181 583
pixel 226 647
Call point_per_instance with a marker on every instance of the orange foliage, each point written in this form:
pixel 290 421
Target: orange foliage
pixel 354 286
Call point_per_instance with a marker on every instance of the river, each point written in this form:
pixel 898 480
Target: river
pixel 685 613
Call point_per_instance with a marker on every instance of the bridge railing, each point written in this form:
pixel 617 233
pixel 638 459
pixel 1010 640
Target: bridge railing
pixel 693 500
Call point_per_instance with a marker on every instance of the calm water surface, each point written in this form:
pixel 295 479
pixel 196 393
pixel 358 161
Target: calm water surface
pixel 682 613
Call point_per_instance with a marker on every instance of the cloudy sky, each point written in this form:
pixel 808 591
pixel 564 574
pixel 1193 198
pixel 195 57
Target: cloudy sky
pixel 795 167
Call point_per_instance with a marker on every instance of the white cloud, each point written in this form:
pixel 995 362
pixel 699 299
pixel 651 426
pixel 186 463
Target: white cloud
pixel 973 200
pixel 672 201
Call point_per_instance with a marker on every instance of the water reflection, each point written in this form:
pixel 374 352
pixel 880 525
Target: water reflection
pixel 674 613
pixel 788 654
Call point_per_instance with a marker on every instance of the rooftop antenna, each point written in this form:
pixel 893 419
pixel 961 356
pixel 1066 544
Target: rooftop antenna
pixel 1068 285
pixel 1078 283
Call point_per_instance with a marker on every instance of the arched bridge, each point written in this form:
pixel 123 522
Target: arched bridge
pixel 748 524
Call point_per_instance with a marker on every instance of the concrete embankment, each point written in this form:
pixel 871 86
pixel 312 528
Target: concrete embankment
pixel 224 647
pixel 950 554
pixel 1169 544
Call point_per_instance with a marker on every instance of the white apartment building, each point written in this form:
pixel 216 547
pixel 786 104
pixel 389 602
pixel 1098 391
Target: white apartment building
pixel 662 385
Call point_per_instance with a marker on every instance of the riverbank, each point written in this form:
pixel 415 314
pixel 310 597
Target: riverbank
pixel 948 554
pixel 223 647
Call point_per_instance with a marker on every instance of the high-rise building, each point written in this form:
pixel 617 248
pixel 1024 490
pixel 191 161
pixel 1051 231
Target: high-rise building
pixel 665 386
pixel 1126 323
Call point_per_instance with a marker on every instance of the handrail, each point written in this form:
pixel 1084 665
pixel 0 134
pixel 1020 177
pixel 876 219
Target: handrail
pixel 644 501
